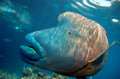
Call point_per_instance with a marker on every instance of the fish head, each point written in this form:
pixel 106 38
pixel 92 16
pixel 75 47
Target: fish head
pixel 64 48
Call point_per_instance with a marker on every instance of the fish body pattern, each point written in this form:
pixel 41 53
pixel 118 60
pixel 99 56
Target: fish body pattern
pixel 76 47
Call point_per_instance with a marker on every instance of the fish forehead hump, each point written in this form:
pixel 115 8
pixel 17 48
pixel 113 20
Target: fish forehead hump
pixel 87 41
pixel 91 35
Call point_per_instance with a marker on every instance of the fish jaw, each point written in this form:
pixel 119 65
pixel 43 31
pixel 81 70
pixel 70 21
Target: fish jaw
pixel 28 53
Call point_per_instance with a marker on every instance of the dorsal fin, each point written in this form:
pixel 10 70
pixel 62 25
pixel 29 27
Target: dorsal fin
pixel 102 54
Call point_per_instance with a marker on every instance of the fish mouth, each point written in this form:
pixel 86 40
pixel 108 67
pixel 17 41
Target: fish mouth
pixel 28 53
pixel 33 52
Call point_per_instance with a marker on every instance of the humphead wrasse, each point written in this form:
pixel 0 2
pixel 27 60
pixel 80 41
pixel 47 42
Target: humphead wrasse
pixel 77 47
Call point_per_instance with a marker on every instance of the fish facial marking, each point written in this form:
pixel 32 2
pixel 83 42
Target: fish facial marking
pixel 68 48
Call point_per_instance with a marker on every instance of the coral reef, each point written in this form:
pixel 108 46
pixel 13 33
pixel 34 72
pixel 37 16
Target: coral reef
pixel 31 73
pixel 5 75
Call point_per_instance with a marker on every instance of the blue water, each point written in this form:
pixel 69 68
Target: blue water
pixel 44 14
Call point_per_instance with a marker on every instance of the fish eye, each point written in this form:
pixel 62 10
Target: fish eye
pixel 68 33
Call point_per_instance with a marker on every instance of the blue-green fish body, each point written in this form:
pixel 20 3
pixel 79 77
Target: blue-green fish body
pixel 76 47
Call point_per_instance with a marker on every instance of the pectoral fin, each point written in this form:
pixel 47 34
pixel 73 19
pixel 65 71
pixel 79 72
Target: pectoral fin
pixel 99 59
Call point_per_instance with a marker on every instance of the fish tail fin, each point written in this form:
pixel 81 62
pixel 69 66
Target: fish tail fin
pixel 81 77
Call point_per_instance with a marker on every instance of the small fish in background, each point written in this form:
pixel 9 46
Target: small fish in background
pixel 16 15
pixel 7 40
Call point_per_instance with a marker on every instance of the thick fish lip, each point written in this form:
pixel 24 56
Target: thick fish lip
pixel 35 45
pixel 28 53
